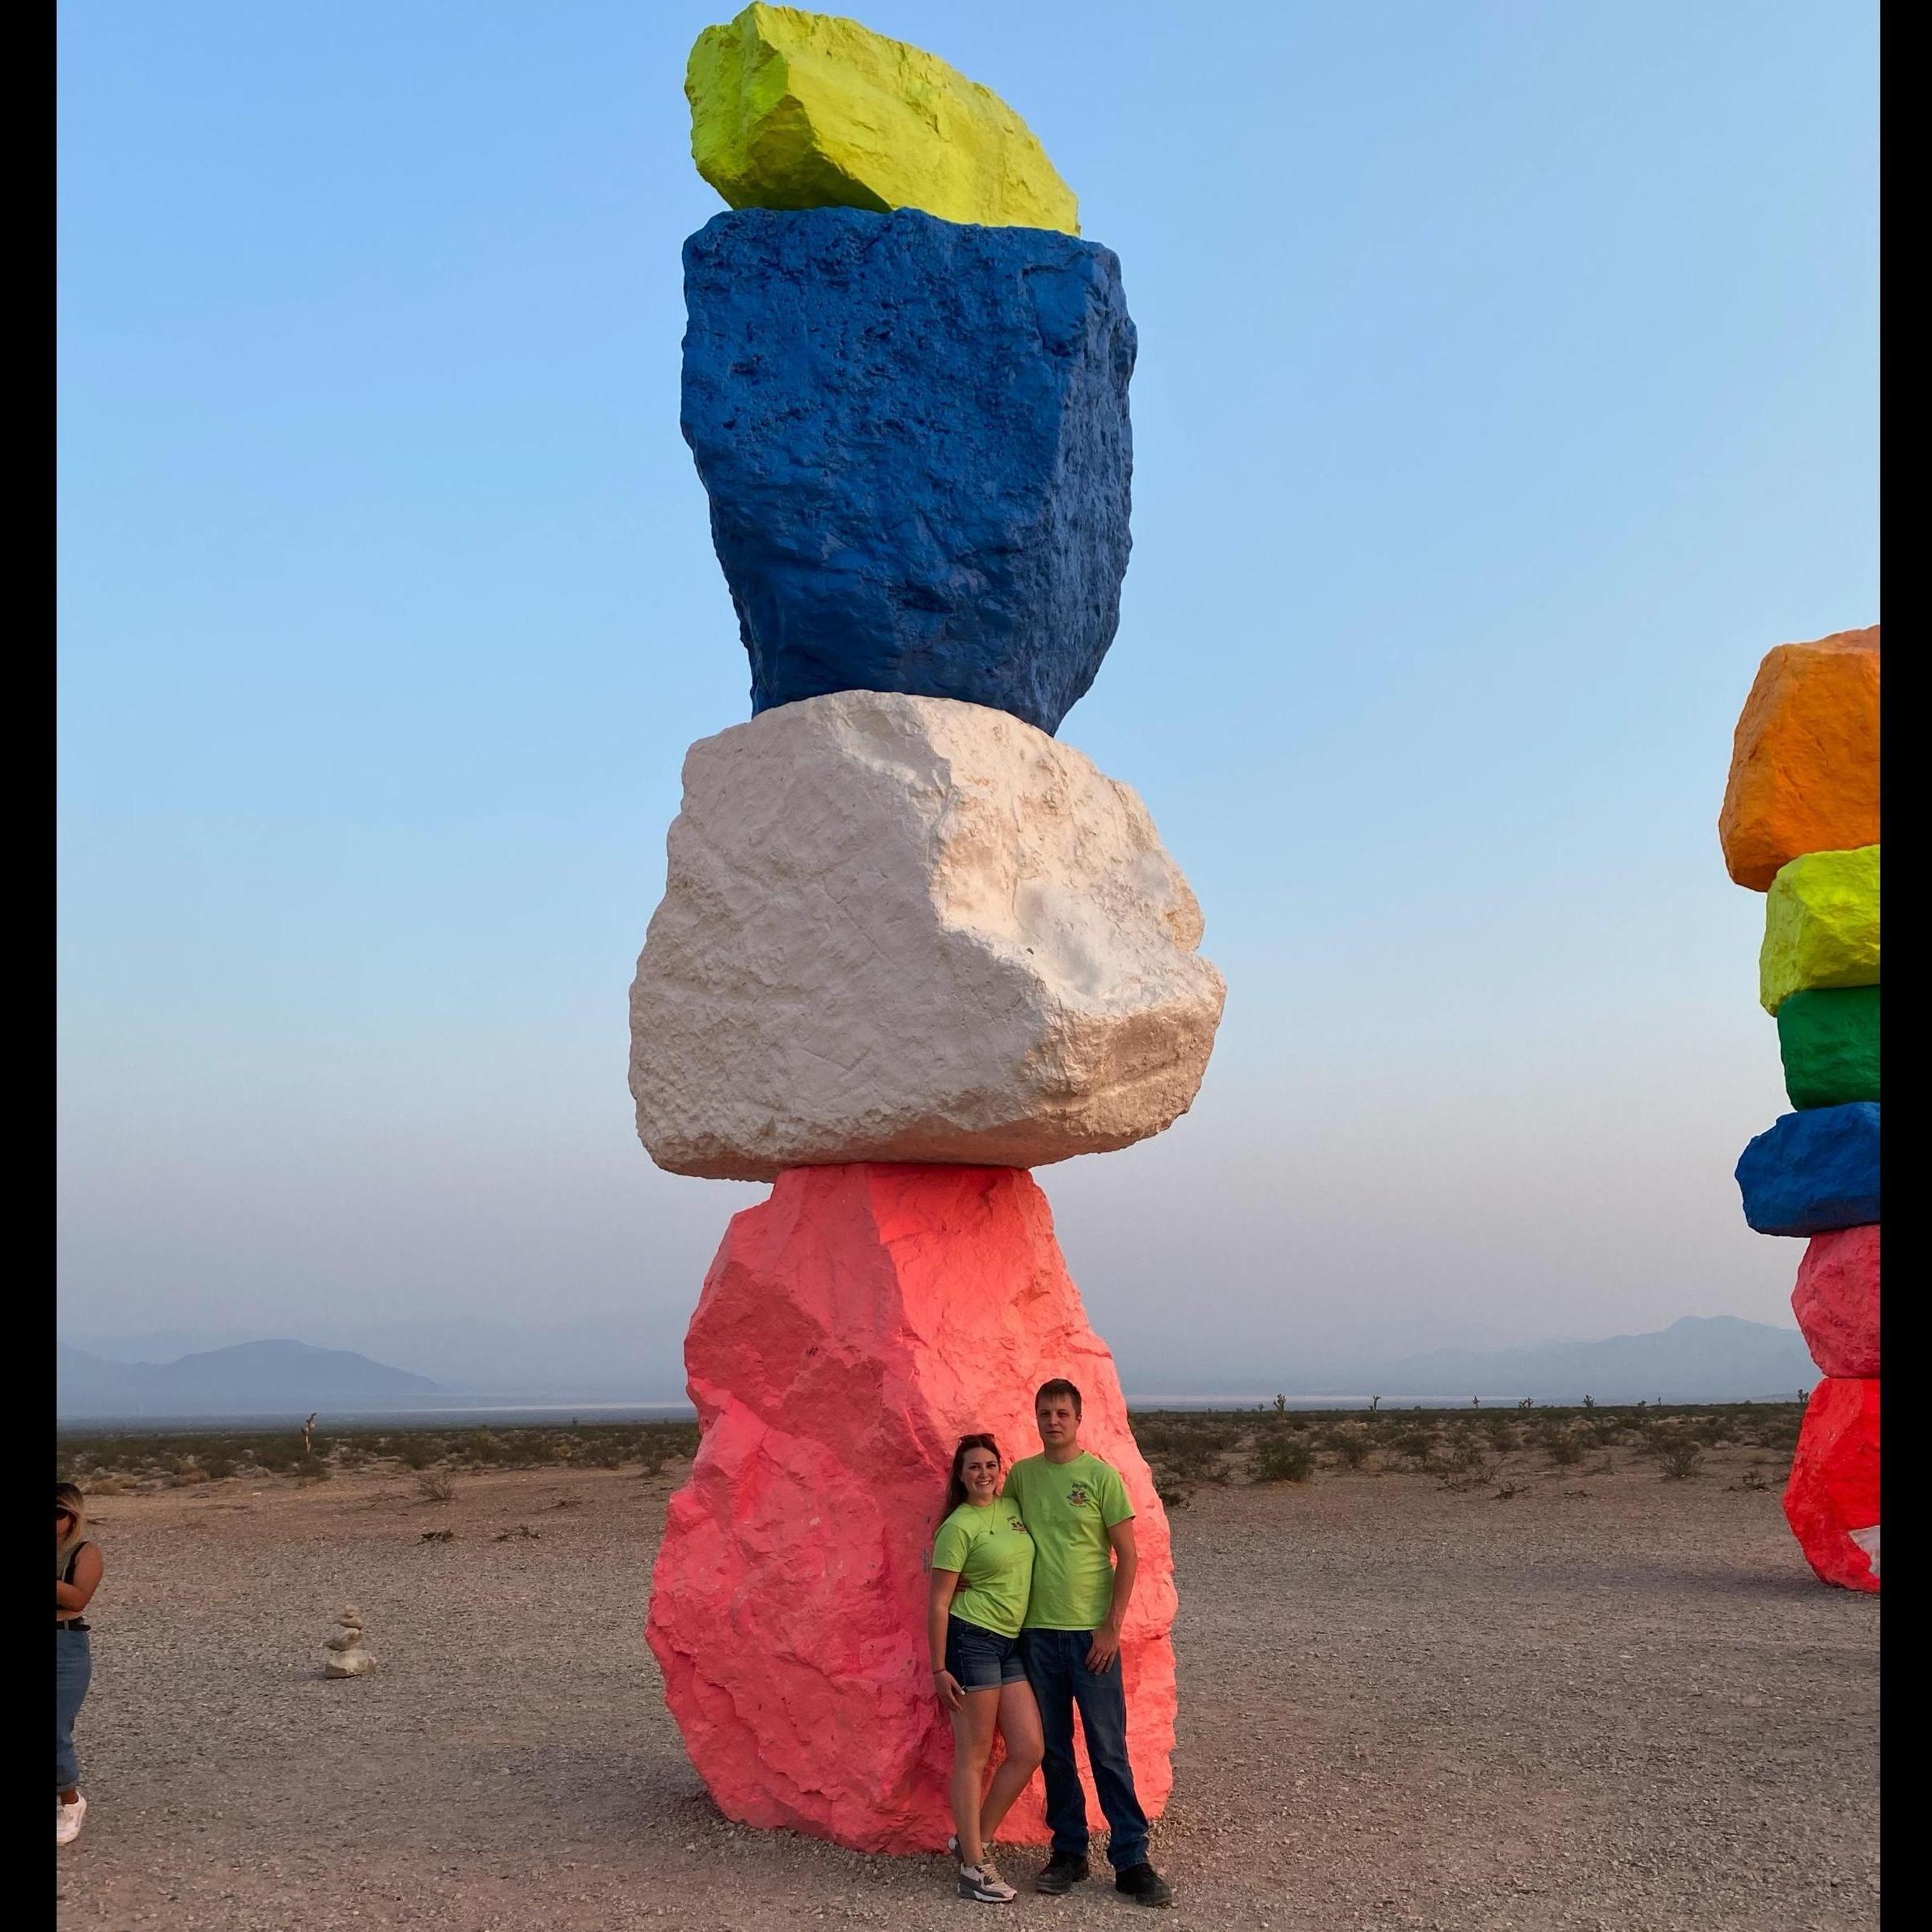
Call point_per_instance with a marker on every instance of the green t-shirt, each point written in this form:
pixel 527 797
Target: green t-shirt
pixel 989 1546
pixel 1068 1508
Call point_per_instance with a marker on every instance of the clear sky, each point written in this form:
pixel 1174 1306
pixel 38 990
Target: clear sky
pixel 1506 388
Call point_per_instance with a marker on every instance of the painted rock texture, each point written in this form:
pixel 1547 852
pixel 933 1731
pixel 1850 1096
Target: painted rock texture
pixel 1828 1040
pixel 915 440
pixel 1813 1171
pixel 1804 765
pixel 1821 925
pixel 791 109
pixel 853 1328
pixel 906 929
pixel 1833 1492
pixel 1837 1301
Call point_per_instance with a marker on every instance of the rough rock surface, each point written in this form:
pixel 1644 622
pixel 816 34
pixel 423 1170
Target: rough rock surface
pixel 853 1328
pixel 1813 1171
pixel 1804 764
pixel 1828 1040
pixel 1834 1492
pixel 915 440
pixel 791 109
pixel 905 929
pixel 1836 1300
pixel 1821 925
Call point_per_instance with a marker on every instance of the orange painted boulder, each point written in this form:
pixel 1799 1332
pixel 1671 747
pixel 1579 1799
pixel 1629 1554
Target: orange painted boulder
pixel 1804 760
pixel 1832 1498
pixel 1836 1300
pixel 852 1328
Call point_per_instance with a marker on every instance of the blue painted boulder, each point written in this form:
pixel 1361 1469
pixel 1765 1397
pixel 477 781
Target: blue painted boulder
pixel 1813 1171
pixel 915 436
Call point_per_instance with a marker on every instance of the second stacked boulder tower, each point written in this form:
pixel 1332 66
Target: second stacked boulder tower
pixel 1800 824
pixel 910 946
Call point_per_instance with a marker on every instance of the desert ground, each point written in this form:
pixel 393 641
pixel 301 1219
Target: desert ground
pixel 1479 1689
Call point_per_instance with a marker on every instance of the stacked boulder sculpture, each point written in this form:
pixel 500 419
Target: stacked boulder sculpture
pixel 345 1655
pixel 910 946
pixel 1800 824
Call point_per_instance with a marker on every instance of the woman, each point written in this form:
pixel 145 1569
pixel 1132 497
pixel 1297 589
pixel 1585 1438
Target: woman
pixel 76 1575
pixel 982 1570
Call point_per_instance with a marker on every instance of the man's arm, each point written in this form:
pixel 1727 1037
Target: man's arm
pixel 1106 1645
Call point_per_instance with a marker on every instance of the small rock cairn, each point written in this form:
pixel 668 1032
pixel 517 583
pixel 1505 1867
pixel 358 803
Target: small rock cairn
pixel 1800 824
pixel 346 1658
pixel 911 945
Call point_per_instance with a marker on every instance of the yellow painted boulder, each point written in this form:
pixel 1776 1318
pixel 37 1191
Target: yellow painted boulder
pixel 1804 762
pixel 1821 925
pixel 791 109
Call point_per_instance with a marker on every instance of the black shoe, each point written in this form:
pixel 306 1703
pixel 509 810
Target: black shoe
pixel 1060 1874
pixel 1143 1884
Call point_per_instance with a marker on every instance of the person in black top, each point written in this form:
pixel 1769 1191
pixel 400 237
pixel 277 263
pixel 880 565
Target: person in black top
pixel 76 1568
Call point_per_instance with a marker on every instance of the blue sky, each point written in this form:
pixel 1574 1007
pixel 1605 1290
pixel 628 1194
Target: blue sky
pixel 1506 388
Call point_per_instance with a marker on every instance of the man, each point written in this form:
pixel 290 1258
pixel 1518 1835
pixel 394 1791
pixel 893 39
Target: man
pixel 1076 1510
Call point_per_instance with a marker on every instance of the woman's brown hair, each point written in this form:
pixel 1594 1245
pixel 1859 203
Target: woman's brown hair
pixel 955 1483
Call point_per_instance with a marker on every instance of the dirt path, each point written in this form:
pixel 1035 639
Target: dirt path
pixel 1608 1702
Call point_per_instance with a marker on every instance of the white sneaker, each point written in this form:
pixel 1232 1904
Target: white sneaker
pixel 67 1820
pixel 982 1884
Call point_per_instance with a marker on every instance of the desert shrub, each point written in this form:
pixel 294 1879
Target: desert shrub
pixel 1159 1439
pixel 1565 1447
pixel 432 1487
pixel 312 1468
pixel 1172 1495
pixel 1462 1451
pixel 187 1475
pixel 219 1465
pixel 1349 1445
pixel 1418 1444
pixel 1287 1460
pixel 1194 1461
pixel 1680 1458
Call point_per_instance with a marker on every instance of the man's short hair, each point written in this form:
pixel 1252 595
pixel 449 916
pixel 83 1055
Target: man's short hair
pixel 1059 1386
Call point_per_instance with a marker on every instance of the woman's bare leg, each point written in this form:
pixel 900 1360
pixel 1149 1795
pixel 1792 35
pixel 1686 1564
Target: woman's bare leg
pixel 972 1728
pixel 1019 1726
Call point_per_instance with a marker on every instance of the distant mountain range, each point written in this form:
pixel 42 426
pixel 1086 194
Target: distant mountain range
pixel 255 1378
pixel 616 1358
pixel 1700 1358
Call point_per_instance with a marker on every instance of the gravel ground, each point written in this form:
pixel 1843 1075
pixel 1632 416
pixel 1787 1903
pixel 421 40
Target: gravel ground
pixel 1606 1701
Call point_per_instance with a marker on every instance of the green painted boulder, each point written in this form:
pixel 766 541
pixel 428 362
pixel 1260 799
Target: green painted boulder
pixel 1821 925
pixel 1829 1040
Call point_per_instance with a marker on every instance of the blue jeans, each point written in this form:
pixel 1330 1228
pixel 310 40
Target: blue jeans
pixel 1056 1662
pixel 981 1660
pixel 73 1666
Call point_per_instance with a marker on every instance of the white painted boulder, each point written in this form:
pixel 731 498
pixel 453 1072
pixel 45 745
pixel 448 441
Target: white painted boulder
pixel 908 928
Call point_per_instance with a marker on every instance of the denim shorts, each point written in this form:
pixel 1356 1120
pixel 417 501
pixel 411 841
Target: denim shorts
pixel 981 1660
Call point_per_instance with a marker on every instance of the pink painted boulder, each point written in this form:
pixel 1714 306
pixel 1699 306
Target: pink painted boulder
pixel 1836 1300
pixel 852 1328
pixel 1833 1492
